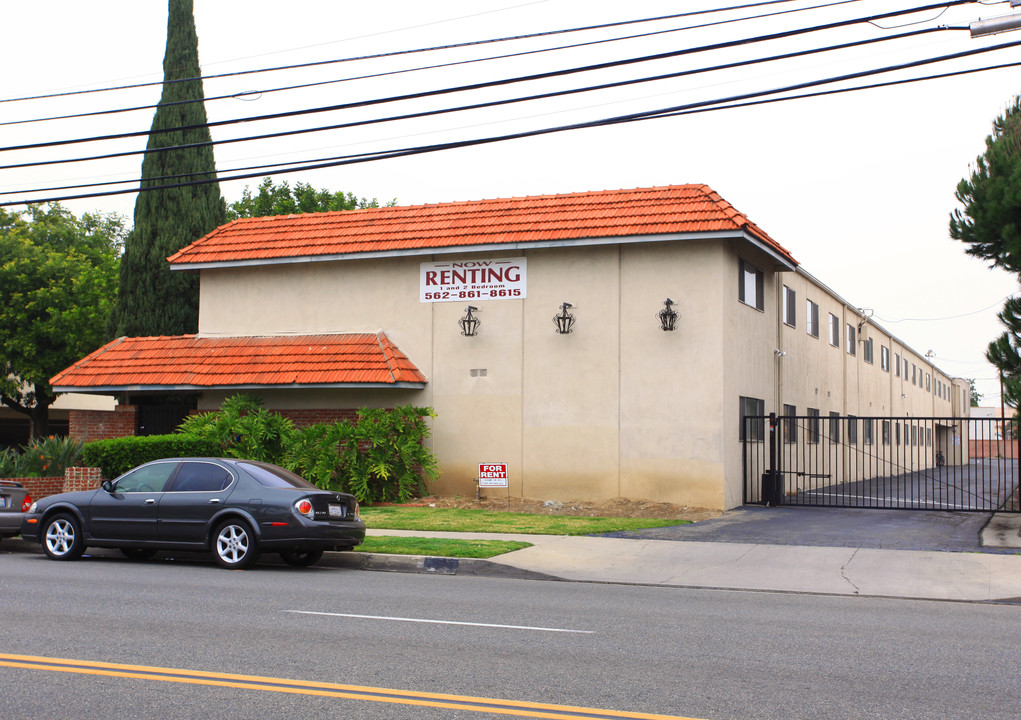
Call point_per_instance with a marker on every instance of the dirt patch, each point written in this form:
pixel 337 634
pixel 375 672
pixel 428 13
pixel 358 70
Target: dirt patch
pixel 618 507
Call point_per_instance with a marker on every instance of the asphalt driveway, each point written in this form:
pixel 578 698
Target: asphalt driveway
pixel 835 527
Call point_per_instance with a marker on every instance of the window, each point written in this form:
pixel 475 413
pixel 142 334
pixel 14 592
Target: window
pixel 914 435
pixel 834 427
pixel 852 430
pixel 201 477
pixel 852 343
pixel 884 358
pixel 886 432
pixel 790 312
pixel 868 425
pixel 812 429
pixel 896 427
pixel 896 364
pixel 914 373
pixel 867 348
pixel 834 331
pixel 148 478
pixel 928 378
pixel 790 424
pixel 753 430
pixel 750 286
pixel 928 437
pixel 812 318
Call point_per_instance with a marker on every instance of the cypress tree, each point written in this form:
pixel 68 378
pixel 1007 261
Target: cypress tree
pixel 152 300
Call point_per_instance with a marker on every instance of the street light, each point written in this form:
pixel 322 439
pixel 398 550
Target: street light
pixel 992 26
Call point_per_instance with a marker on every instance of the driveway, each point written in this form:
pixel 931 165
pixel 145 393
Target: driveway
pixel 835 527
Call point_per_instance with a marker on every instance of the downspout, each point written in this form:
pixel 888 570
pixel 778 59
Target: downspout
pixel 778 355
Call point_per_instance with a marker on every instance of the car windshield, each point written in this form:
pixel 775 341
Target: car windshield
pixel 273 476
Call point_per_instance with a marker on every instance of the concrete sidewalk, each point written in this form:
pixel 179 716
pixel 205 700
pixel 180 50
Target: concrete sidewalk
pixel 922 574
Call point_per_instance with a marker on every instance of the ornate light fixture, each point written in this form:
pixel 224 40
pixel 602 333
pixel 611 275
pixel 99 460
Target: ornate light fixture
pixel 564 320
pixel 668 316
pixel 469 323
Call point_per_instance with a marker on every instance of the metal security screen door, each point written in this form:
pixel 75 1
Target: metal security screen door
pixel 882 462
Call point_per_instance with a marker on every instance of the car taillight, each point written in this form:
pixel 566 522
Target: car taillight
pixel 304 507
pixel 27 504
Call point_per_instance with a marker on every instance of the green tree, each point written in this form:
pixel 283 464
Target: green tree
pixel 974 394
pixel 989 221
pixel 282 199
pixel 58 278
pixel 153 300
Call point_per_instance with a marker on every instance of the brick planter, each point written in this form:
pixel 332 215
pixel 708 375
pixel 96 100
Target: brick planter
pixel 76 478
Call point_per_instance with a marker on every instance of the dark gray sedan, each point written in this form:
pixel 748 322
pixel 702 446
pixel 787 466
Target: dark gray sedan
pixel 233 508
pixel 14 501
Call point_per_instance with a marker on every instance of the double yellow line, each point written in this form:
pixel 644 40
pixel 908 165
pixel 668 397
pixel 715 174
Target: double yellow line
pixel 304 687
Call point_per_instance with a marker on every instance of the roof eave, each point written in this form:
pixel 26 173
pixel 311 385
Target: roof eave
pixel 107 389
pixel 497 247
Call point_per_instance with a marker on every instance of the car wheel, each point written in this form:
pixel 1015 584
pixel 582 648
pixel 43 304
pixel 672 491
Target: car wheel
pixel 138 553
pixel 301 559
pixel 234 545
pixel 62 538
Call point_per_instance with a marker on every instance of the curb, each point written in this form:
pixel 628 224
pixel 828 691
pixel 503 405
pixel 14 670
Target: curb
pixel 429 565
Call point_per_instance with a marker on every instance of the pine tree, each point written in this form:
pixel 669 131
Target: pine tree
pixel 152 299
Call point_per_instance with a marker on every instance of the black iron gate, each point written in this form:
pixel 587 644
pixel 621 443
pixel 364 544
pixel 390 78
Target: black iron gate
pixel 882 462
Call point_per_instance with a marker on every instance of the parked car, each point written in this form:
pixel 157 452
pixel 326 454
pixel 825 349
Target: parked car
pixel 233 508
pixel 14 502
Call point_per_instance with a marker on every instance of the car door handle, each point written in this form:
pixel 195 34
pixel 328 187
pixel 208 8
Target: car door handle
pixel 214 501
pixel 150 501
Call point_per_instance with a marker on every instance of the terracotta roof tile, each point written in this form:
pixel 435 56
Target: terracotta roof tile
pixel 193 361
pixel 619 213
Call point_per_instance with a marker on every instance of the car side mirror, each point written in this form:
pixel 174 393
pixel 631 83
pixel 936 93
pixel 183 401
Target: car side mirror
pixel 107 485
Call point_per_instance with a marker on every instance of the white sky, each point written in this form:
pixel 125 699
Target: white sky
pixel 858 186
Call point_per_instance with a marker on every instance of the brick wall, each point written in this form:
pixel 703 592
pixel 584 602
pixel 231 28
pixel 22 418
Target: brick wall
pixel 76 478
pixel 303 418
pixel 89 425
pixel 992 448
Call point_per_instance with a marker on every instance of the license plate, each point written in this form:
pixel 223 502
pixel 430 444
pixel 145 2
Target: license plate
pixel 336 511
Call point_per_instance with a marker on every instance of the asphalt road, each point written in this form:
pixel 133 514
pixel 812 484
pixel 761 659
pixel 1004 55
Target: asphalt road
pixel 609 648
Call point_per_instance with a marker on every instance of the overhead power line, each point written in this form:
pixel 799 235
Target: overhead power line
pixel 474 86
pixel 453 46
pixel 731 102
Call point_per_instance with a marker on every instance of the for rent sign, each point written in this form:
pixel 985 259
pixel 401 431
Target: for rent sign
pixel 492 474
pixel 453 281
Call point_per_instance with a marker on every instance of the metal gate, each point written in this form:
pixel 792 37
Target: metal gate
pixel 905 463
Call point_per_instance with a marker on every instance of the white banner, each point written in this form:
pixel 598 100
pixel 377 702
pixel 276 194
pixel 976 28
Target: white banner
pixel 454 281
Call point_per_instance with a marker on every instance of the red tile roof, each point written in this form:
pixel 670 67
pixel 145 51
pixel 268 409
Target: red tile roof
pixel 189 361
pixel 540 219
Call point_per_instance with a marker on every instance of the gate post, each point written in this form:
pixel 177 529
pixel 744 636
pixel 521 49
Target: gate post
pixel 772 485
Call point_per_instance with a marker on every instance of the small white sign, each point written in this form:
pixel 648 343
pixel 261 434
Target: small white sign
pixel 492 474
pixel 455 281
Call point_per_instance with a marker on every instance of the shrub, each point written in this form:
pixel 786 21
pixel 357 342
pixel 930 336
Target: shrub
pixel 241 428
pixel 46 457
pixel 118 455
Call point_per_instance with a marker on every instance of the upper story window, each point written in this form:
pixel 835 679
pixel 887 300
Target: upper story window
pixel 896 364
pixel 790 313
pixel 852 343
pixel 812 318
pixel 834 330
pixel 884 358
pixel 750 290
pixel 867 347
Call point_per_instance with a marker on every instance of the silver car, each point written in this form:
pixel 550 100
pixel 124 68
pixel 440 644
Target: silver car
pixel 14 503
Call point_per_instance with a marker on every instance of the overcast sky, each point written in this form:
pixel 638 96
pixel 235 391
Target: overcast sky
pixel 858 186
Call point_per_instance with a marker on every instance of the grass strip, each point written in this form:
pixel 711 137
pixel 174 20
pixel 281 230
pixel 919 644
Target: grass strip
pixel 396 517
pixel 439 547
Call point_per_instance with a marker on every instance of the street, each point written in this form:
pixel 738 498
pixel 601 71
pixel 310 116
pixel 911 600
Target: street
pixel 609 648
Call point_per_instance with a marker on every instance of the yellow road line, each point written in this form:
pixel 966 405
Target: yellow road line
pixel 306 687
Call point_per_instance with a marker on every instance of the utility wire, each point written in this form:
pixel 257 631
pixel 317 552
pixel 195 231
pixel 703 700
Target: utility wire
pixel 496 103
pixel 300 86
pixel 691 108
pixel 462 88
pixel 450 46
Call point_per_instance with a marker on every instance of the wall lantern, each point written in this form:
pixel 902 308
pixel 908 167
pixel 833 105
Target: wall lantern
pixel 667 316
pixel 469 323
pixel 564 320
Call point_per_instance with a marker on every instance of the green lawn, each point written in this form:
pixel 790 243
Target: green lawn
pixel 439 547
pixel 392 517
